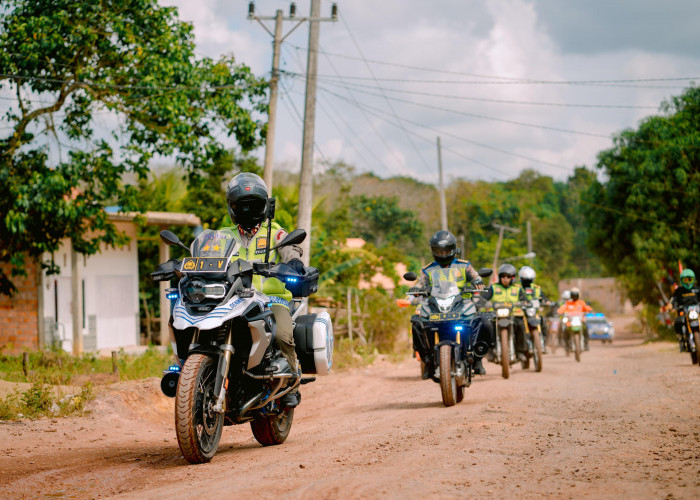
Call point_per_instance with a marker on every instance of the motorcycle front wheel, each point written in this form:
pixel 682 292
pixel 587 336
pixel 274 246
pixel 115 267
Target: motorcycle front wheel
pixel 537 353
pixel 577 346
pixel 451 392
pixel 273 429
pixel 198 428
pixel 505 355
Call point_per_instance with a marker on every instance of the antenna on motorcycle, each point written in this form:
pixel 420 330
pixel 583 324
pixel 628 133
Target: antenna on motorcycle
pixel 170 238
pixel 270 214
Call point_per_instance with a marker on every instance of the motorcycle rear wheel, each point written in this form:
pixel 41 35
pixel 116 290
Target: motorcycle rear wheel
pixel 505 355
pixel 451 392
pixel 273 429
pixel 197 427
pixel 537 353
pixel 577 346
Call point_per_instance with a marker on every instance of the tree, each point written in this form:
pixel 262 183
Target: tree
pixel 67 62
pixel 646 217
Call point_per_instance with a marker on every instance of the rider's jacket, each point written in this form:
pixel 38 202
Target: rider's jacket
pixel 534 292
pixel 511 294
pixel 684 297
pixel 252 248
pixel 459 272
pixel 574 307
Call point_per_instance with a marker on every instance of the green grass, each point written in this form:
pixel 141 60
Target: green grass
pixel 42 400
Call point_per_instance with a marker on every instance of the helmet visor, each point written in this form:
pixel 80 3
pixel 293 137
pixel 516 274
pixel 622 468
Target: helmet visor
pixel 248 212
pixel 443 251
pixel 687 279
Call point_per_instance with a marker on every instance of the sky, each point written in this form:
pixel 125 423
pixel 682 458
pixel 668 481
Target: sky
pixel 506 84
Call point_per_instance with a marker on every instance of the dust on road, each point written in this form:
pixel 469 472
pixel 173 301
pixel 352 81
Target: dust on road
pixel 625 422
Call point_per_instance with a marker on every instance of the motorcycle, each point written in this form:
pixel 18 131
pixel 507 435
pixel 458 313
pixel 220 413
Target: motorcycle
pixel 229 365
pixel 453 333
pixel 691 330
pixel 504 351
pixel 533 335
pixel 573 334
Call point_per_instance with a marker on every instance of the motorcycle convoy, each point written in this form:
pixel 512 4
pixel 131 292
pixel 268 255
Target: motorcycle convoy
pixel 231 369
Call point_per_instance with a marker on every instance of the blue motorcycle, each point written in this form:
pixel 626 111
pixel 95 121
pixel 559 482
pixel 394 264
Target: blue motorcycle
pixel 453 333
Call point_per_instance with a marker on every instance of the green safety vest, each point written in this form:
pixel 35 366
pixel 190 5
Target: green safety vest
pixel 256 253
pixel 509 295
pixel 456 273
pixel 536 292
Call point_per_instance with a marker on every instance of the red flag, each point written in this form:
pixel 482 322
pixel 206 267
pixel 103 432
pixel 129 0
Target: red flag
pixel 680 267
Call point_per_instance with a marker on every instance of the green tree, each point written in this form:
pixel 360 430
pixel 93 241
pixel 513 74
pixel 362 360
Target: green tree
pixel 67 62
pixel 646 217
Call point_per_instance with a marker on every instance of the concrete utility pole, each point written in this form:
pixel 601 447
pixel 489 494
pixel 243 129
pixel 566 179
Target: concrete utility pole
pixel 501 229
pixel 77 302
pixel 443 203
pixel 307 152
pixel 277 39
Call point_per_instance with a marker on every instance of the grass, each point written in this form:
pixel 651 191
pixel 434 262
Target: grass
pixel 51 368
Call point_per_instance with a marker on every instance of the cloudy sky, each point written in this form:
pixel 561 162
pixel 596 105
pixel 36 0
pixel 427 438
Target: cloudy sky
pixel 506 84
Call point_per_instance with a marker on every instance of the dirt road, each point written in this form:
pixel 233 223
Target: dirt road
pixel 625 422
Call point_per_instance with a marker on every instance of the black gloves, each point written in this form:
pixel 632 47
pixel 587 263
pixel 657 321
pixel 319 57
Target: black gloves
pixel 297 265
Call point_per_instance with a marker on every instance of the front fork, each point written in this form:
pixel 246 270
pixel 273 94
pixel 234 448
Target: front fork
pixel 220 385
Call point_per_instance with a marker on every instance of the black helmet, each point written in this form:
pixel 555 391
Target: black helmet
pixel 506 270
pixel 575 293
pixel 443 244
pixel 246 197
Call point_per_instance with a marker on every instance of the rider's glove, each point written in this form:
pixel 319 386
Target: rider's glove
pixel 415 289
pixel 297 265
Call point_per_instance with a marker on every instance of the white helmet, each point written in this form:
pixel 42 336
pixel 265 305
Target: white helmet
pixel 566 295
pixel 527 273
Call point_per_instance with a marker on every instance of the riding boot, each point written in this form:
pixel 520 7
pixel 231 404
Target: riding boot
pixel 479 367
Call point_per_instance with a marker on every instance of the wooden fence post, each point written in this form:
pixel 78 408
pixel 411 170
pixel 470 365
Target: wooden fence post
pixel 349 313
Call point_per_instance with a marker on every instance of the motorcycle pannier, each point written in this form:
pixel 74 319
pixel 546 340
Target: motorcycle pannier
pixel 313 339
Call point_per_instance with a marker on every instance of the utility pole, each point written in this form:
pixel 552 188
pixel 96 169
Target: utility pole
pixel 277 39
pixel 501 229
pixel 77 302
pixel 307 152
pixel 443 204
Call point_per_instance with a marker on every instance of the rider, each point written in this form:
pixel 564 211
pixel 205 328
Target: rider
pixel 446 266
pixel 576 305
pixel 527 277
pixel 247 199
pixel 684 295
pixel 506 290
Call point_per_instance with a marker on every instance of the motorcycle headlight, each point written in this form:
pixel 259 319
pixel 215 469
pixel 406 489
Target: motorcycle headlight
pixel 530 311
pixel 503 312
pixel 197 290
pixel 445 304
pixel 576 321
pixel 693 314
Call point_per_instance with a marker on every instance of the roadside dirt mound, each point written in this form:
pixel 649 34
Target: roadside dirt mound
pixel 141 399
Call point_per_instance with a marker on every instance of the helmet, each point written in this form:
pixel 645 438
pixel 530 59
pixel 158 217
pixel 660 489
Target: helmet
pixel 527 275
pixel 687 278
pixel 443 244
pixel 575 293
pixel 507 270
pixel 566 295
pixel 246 197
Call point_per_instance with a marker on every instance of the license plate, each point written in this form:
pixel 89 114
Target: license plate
pixel 444 316
pixel 204 265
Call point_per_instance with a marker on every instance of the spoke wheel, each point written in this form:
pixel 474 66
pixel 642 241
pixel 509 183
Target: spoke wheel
pixel 537 352
pixel 198 428
pixel 505 355
pixel 270 430
pixel 448 381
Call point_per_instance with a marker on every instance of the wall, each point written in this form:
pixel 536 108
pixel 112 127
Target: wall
pixel 605 291
pixel 18 315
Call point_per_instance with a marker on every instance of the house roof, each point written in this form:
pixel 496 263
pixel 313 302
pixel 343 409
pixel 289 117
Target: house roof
pixel 159 218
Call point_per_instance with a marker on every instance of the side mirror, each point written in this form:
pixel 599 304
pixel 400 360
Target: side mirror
pixel 410 276
pixel 293 238
pixel 485 272
pixel 171 239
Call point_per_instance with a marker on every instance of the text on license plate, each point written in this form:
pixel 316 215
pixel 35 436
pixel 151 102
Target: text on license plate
pixel 444 316
pixel 204 264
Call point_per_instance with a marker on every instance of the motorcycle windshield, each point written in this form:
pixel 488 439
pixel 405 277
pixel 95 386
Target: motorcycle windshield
pixel 217 244
pixel 444 290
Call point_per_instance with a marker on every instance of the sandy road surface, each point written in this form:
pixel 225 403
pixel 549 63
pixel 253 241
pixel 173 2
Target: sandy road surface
pixel 625 422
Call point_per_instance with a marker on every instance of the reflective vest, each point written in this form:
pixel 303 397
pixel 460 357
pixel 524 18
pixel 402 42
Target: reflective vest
pixel 509 295
pixel 456 273
pixel 533 292
pixel 255 252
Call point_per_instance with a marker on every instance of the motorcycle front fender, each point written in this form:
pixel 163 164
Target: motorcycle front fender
pixel 503 322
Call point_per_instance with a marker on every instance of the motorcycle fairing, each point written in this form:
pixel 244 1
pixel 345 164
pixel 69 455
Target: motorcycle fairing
pixel 217 316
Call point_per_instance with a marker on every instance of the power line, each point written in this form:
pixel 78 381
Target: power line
pixel 497 101
pixel 484 117
pixel 391 107
pixel 510 78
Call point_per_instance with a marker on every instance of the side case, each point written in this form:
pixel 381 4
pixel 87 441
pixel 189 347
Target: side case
pixel 313 339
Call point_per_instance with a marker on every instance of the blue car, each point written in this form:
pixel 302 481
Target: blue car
pixel 599 327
